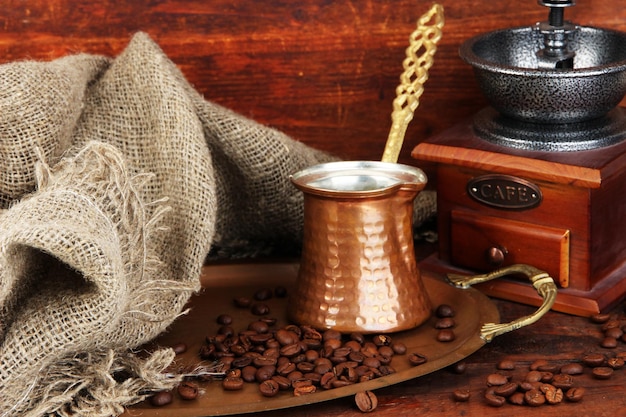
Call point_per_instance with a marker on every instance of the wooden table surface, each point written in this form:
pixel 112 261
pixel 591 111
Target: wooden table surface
pixel 557 337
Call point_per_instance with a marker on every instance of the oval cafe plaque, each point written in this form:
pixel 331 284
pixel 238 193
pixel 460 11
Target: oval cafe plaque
pixel 504 192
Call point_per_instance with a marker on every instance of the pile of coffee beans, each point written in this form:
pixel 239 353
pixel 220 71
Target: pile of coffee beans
pixel 300 359
pixel 613 327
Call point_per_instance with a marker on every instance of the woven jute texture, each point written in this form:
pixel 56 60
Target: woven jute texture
pixel 116 180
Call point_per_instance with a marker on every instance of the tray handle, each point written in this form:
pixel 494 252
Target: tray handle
pixel 541 281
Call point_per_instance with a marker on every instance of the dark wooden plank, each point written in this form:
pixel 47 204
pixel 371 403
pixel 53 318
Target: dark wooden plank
pixel 323 71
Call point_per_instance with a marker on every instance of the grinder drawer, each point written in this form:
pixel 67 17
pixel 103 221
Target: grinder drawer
pixel 484 243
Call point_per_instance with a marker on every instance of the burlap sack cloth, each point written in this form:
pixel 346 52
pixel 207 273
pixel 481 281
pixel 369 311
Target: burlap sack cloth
pixel 116 180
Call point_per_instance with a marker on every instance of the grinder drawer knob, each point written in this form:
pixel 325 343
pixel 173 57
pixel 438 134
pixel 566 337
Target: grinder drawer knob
pixel 496 255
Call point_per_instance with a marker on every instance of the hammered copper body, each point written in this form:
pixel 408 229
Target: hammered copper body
pixel 358 270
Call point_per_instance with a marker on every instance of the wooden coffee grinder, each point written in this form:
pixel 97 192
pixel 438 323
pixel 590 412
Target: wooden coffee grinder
pixel 539 177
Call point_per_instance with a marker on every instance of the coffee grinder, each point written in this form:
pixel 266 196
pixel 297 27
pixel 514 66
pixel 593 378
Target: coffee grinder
pixel 539 176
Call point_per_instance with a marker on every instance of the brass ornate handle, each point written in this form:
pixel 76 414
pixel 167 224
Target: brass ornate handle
pixel 542 282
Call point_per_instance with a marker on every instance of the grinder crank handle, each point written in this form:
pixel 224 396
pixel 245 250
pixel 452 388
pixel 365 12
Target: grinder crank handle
pixel 541 281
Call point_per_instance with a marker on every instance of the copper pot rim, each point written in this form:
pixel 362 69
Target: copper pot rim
pixel 358 178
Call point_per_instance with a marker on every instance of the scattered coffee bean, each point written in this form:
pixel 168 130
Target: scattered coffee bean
pixel 280 292
pixel 305 390
pixel 445 323
pixel 161 398
pixel 260 309
pixel 459 367
pixel 615 363
pixel 600 318
pixel 444 310
pixel 563 381
pixel 224 319
pixel 594 359
pixel 609 342
pixel 263 294
pixel 494 400
pixel 602 372
pixel 445 335
pixel 496 380
pixel 575 394
pixel 573 368
pixel 366 401
pixel 269 388
pixel 534 398
pixel 399 348
pixel 416 359
pixel 506 390
pixel 461 395
pixel 506 365
pixel 242 302
pixel 517 398
pixel 232 383
pixel 552 394
pixel 188 390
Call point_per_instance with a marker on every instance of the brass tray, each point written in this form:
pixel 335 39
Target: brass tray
pixel 222 283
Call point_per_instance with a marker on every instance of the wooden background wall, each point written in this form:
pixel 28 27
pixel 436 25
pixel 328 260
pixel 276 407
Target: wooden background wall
pixel 323 71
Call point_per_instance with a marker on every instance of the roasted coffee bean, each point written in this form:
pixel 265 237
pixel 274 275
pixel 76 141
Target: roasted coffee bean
pixel 366 401
pixel 259 327
pixel 517 398
pixel 614 332
pixel 534 376
pixel 600 318
pixel 371 362
pixel 416 359
pixel 232 383
pixel 248 373
pixel 263 294
pixel 445 335
pixel 226 331
pixel 161 398
pixel 609 342
pixel 575 394
pixel 461 395
pixel 241 362
pixel 331 335
pixel 304 390
pixel 269 320
pixel 546 377
pixel 553 395
pixel 444 310
pixel 610 325
pixel 262 361
pixel 188 390
pixel 506 390
pixel 357 337
pixel 572 369
pixel 235 373
pixel 506 365
pixel 458 368
pixel 242 302
pixel 382 340
pixel 399 348
pixel 280 292
pixel 291 350
pixel 260 309
pixel 494 400
pixel 224 319
pixel 269 388
pixel 283 382
pixel 594 359
pixel 563 381
pixel 534 398
pixel 496 380
pixel 286 337
pixel 538 364
pixel 615 363
pixel 445 323
pixel 179 348
pixel 264 373
pixel 602 372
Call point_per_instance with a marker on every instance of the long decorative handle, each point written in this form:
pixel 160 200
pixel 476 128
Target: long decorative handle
pixel 541 281
pixel 424 41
